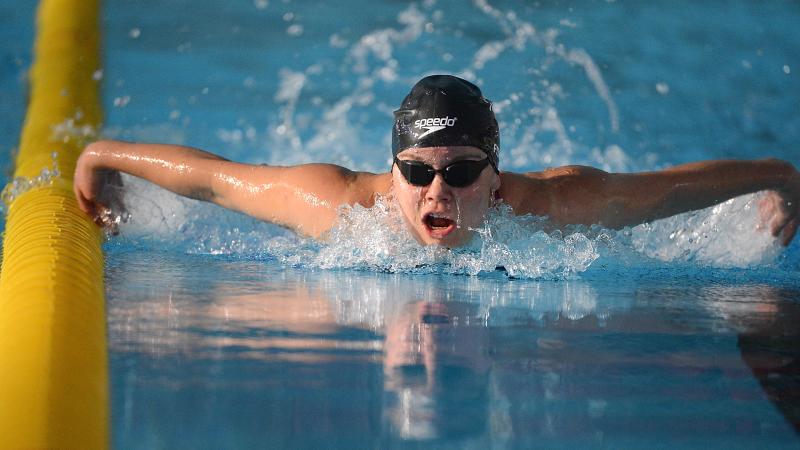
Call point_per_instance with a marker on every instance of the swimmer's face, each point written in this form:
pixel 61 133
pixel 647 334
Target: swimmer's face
pixel 439 213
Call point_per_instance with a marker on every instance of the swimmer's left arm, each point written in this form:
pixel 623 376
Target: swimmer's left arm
pixel 584 195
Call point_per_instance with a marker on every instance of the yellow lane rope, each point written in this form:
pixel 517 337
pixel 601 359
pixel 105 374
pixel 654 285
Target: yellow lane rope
pixel 53 361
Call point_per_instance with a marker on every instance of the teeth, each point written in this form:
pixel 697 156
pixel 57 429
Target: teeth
pixel 438 222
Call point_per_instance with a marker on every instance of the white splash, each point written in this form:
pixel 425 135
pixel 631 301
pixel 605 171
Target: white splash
pixel 376 239
pixel 21 185
pixel 725 235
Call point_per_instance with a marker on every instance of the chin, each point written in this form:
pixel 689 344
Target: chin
pixel 452 240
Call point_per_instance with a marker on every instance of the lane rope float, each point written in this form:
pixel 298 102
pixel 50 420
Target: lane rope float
pixel 53 351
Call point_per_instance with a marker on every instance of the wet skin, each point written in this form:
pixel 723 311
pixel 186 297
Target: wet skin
pixel 438 213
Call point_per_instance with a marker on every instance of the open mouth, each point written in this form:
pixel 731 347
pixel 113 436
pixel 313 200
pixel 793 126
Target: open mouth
pixel 438 226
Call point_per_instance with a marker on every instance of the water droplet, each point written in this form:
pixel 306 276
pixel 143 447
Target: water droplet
pixel 135 33
pixel 121 102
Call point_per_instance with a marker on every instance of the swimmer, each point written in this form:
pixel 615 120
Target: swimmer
pixel 444 178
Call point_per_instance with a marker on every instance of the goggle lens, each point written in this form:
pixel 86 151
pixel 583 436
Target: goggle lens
pixel 457 174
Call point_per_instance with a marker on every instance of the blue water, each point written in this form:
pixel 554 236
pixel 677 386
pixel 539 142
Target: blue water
pixel 228 333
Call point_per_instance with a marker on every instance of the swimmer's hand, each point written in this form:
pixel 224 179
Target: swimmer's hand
pixel 780 210
pixel 99 194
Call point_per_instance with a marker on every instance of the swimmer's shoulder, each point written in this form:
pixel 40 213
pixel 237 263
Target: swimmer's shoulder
pixel 524 192
pixel 366 186
pixel 333 183
pixel 539 193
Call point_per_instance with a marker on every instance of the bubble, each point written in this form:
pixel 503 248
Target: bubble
pixel 134 33
pixel 662 88
pixel 295 30
pixel 787 70
pixel 261 4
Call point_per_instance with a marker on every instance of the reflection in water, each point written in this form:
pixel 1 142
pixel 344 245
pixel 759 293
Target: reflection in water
pixel 348 359
pixel 436 371
pixel 767 321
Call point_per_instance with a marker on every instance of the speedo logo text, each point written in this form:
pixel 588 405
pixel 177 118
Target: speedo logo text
pixel 434 124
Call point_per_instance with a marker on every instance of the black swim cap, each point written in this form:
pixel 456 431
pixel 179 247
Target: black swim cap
pixel 443 110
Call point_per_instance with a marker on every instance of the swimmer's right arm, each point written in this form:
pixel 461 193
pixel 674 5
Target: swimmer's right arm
pixel 304 198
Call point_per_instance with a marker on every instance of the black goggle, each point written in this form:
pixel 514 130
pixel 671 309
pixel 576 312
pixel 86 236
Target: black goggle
pixel 458 174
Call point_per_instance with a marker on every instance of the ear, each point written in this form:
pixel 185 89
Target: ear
pixel 496 182
pixel 495 187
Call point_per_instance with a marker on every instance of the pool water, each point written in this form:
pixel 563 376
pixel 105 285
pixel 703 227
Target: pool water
pixel 228 333
pixel 211 352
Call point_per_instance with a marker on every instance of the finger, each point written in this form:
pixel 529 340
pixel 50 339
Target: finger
pixel 789 231
pixel 766 206
pixel 767 210
pixel 86 205
pixel 778 221
pixel 85 202
pixel 777 225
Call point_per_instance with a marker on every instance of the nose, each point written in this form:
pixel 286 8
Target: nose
pixel 438 191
